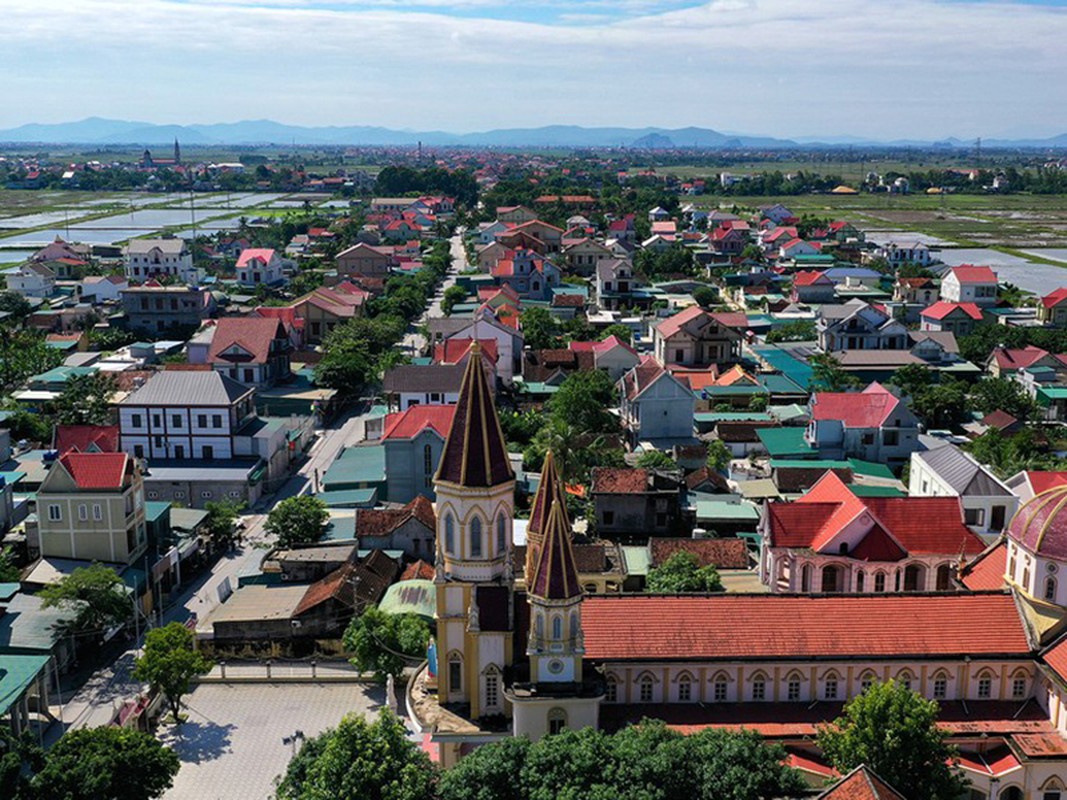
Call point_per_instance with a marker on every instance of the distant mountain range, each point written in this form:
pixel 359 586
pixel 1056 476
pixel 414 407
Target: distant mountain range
pixel 103 132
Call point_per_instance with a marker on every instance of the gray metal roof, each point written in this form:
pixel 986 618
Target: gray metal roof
pixel 965 475
pixel 185 388
pixel 424 378
pixel 170 246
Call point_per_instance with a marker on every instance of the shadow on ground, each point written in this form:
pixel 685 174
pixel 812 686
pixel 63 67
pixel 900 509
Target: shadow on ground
pixel 197 741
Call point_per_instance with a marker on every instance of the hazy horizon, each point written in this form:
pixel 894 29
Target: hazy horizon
pixel 913 69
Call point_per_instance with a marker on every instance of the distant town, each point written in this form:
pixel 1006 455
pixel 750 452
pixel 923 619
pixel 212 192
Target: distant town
pixel 446 473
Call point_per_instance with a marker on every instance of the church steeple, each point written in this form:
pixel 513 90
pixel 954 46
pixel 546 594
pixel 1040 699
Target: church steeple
pixel 555 576
pixel 475 454
pixel 547 492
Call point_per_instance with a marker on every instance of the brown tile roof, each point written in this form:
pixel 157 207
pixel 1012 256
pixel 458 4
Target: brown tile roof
pixel 383 521
pixel 420 570
pixel 555 575
pixel 352 584
pixel 721 553
pixel 703 476
pixel 252 334
pixel 861 784
pixel 619 480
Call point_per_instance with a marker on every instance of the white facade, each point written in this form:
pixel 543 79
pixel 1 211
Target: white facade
pixel 979 293
pixel 149 258
pixel 31 280
pixel 983 513
pixel 180 432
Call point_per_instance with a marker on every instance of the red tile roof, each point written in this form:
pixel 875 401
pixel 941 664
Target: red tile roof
pixel 453 351
pixel 420 570
pixel 619 480
pixel 861 784
pixel 942 309
pixel 1056 658
pixel 1053 299
pixel 866 409
pixel 1008 358
pixel 808 278
pixel 721 553
pixel 264 254
pixel 987 571
pixel 993 762
pixel 968 273
pixel 254 335
pixel 650 628
pixel 84 438
pixel 647 372
pixel 95 470
pixel 410 423
pixel 1045 480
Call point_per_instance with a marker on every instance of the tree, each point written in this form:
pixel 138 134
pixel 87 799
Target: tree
pixel 540 329
pixel 170 662
pixel 9 571
pixel 828 376
pixel 912 379
pixel 360 759
pixel 86 399
pixel 617 329
pixel 452 295
pixel 20 758
pixel 583 401
pixel 705 296
pixel 95 594
pixel 385 643
pixel 682 572
pixel 656 459
pixel 719 455
pixel 647 761
pixel 221 518
pixel 1003 394
pixel 15 304
pixel 297 520
pixel 109 763
pixel 894 731
pixel 801 330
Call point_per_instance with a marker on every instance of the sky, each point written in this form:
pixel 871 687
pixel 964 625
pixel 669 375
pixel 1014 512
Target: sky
pixel 884 69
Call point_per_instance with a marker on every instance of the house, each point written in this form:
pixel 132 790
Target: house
pixel 615 282
pixel 365 260
pixel 970 284
pixel 872 425
pixel 957 318
pixel 862 784
pixel 582 255
pixel 485 324
pixel 91 507
pixel 920 291
pixel 323 309
pixel 1006 362
pixel 252 350
pixel 31 280
pixel 655 405
pixel 528 275
pixel 947 471
pixel 488 255
pixel 153 309
pixel 410 385
pixel 633 505
pixel 900 253
pixel 413 440
pixel 549 237
pixel 831 540
pixel 698 338
pixel 259 265
pixel 168 257
pixel 812 287
pixel 612 355
pixel 1053 309
pixel 795 248
pixel 515 215
pixel 842 231
pixel 85 438
pixel 410 528
pixel 777 213
pixel 727 241
pixel 857 325
pixel 103 288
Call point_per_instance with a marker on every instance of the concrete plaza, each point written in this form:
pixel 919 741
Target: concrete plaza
pixel 232 747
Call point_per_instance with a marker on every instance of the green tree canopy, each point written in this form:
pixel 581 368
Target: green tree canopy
pixel 1003 394
pixel 893 730
pixel 623 332
pixel 452 295
pixel 86 400
pixel 297 520
pixel 358 760
pixel 828 376
pixel 540 330
pixel 385 643
pixel 107 763
pixel 656 459
pixel 801 330
pixel 583 401
pixel 719 455
pixel 95 595
pixel 682 572
pixel 705 296
pixel 647 761
pixel 221 520
pixel 170 662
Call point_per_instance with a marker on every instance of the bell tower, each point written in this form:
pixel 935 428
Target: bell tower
pixel 538 512
pixel 475 508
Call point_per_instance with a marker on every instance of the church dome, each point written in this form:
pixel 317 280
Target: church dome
pixel 1040 524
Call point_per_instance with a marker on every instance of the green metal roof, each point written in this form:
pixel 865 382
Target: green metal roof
pixel 350 498
pixel 784 442
pixel 732 416
pixel 17 672
pixel 154 509
pixel 1053 392
pixel 868 468
pixel 410 597
pixel 788 413
pixel 356 467
pixel 8 590
pixel 725 510
pixel 863 490
pixel 781 384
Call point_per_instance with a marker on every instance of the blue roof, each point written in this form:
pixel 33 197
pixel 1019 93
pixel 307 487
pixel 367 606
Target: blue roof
pixel 356 465
pixel 17 672
pixel 793 368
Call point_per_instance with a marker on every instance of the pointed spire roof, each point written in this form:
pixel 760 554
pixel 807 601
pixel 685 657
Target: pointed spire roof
pixel 547 492
pixel 556 574
pixel 475 454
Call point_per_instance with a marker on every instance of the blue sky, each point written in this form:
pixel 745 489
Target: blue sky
pixel 902 69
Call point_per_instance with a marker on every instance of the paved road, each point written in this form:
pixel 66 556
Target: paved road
pixel 414 342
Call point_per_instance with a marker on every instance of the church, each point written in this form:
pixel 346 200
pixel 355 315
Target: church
pixel 533 662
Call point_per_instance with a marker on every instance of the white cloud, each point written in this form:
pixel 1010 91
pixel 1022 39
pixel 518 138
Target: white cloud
pixel 779 67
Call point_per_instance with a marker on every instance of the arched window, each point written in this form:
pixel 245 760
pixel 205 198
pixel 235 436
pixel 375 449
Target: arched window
pixel 450 534
pixel 427 461
pixel 879 581
pixel 557 628
pixel 476 537
pixel 793 685
pixel 1011 564
pixel 805 578
pixel 1050 589
pixel 940 688
pixel 685 687
pixel 574 624
pixel 831 577
pixel 759 687
pixel 501 534
pixel 492 688
pixel 646 688
pixel 539 625
pixel 860 580
pixel 914 578
pixel 944 578
pixel 867 680
pixel 1026 578
pixel 720 687
pixel 455 673
pixel 557 721
pixel 1019 685
pixel 611 690
pixel 905 679
pixel 1011 793
pixel 830 684
pixel 985 685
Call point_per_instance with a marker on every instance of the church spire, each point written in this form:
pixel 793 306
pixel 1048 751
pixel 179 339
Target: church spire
pixel 555 576
pixel 549 490
pixel 475 454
